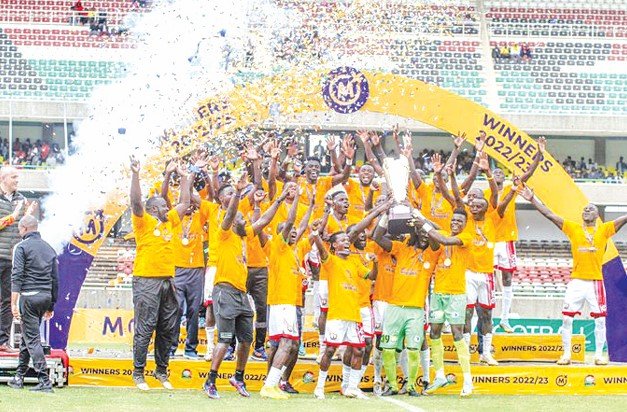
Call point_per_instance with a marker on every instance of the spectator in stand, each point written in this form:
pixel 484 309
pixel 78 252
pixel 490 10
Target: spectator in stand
pixel 525 52
pixel 79 10
pixel 44 151
pixel 621 166
pixel 505 51
pixel 496 53
pixel 515 52
pixel 591 165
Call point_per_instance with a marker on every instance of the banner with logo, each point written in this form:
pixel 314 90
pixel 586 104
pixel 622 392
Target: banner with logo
pixel 347 90
pixel 499 380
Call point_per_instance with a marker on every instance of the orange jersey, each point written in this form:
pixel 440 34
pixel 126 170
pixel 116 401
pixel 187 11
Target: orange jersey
pixel 506 228
pixel 412 275
pixel 481 259
pixel 587 244
pixel 284 274
pixel 364 285
pixel 336 225
pixel 191 231
pixel 322 185
pixel 450 269
pixel 385 274
pixel 357 196
pixel 232 261
pixel 433 205
pixel 283 211
pixel 343 276
pixel 154 256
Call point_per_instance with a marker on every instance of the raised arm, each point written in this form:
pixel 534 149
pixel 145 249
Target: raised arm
pixel 436 161
pixel 214 164
pixel 474 169
pixel 536 160
pixel 455 188
pixel 494 190
pixel 187 179
pixel 165 186
pixel 317 240
pixel 348 149
pixel 366 139
pixel 509 196
pixel 379 234
pixel 408 151
pixel 291 216
pixel 136 192
pixel 273 172
pixel 267 217
pixel 620 222
pixel 372 275
pixel 304 224
pixel 367 221
pixel 436 236
pixel 528 195
pixel 231 210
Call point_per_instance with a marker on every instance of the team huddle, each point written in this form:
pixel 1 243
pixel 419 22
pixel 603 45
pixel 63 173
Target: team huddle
pixel 281 226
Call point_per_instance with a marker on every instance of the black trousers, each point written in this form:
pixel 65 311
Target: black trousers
pixel 6 317
pixel 156 310
pixel 257 287
pixel 32 309
pixel 190 285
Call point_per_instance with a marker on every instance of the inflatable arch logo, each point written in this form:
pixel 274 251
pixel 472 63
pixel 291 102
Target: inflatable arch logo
pixel 346 90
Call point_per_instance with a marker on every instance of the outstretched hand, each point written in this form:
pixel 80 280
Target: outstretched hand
pixel 459 139
pixel 527 193
pixel 541 144
pixel 242 182
pixel 436 162
pixel 134 164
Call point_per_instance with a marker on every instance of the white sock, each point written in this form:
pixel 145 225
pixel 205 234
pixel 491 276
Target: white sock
pixel 346 373
pixel 467 338
pixel 508 295
pixel 599 336
pixel 402 360
pixel 322 378
pixel 467 379
pixel 355 378
pixel 362 372
pixel 274 375
pixel 487 344
pixel 378 364
pixel 567 334
pixel 210 332
pixel 425 357
pixel 439 374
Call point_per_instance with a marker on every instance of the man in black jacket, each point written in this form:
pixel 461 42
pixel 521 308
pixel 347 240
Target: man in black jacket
pixel 34 286
pixel 9 198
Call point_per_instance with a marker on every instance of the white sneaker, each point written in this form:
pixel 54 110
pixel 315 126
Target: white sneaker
pixel 377 389
pixel 319 393
pixel 355 393
pixel 438 382
pixel 489 360
pixel 564 360
pixel 600 361
pixel 466 390
pixel 343 388
pixel 507 328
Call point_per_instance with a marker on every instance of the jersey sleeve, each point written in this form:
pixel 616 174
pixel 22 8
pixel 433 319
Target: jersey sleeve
pixel 568 228
pixel 465 237
pixel 174 218
pixel 609 229
pixel 396 247
pixel 249 231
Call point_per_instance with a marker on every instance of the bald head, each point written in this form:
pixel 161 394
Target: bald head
pixel 27 224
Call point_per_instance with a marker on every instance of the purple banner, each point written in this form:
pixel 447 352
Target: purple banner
pixel 73 266
pixel 615 280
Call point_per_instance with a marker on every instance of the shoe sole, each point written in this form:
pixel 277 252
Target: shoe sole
pixel 432 390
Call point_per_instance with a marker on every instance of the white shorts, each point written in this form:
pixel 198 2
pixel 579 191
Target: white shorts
pixel 344 332
pixel 591 291
pixel 282 322
pixel 323 295
pixel 378 308
pixel 505 256
pixel 210 277
pixel 367 321
pixel 480 289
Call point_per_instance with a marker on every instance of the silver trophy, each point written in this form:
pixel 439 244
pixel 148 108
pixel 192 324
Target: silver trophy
pixel 396 173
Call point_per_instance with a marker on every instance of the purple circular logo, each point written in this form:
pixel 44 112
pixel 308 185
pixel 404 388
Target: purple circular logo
pixel 345 90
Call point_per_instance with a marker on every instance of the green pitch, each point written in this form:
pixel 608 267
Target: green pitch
pixel 122 399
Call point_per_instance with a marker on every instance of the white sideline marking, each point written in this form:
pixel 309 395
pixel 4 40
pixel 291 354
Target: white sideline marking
pixel 404 405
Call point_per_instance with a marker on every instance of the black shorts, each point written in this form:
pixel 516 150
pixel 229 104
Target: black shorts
pixel 233 313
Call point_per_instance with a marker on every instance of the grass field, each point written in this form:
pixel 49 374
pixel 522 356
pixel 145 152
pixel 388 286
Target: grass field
pixel 118 399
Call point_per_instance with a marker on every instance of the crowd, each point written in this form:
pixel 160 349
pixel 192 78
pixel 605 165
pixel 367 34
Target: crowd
pixel 516 52
pixel 592 171
pixel 370 261
pixel 39 153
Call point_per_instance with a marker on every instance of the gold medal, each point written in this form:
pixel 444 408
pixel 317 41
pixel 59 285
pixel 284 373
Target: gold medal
pixel 426 265
pixel 157 232
pixel 447 262
pixel 185 241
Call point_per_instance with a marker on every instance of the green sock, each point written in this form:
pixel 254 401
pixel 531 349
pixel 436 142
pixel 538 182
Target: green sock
pixel 463 355
pixel 437 354
pixel 389 363
pixel 413 360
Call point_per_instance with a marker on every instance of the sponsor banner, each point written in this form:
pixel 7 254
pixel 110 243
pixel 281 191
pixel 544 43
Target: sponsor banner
pixel 506 380
pixel 552 326
pixel 535 348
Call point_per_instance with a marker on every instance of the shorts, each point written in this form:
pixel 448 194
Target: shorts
pixel 505 256
pixel 282 322
pixel 378 308
pixel 445 307
pixel 234 314
pixel 403 324
pixel 480 289
pixel 367 321
pixel 344 332
pixel 323 295
pixel 210 277
pixel 580 290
